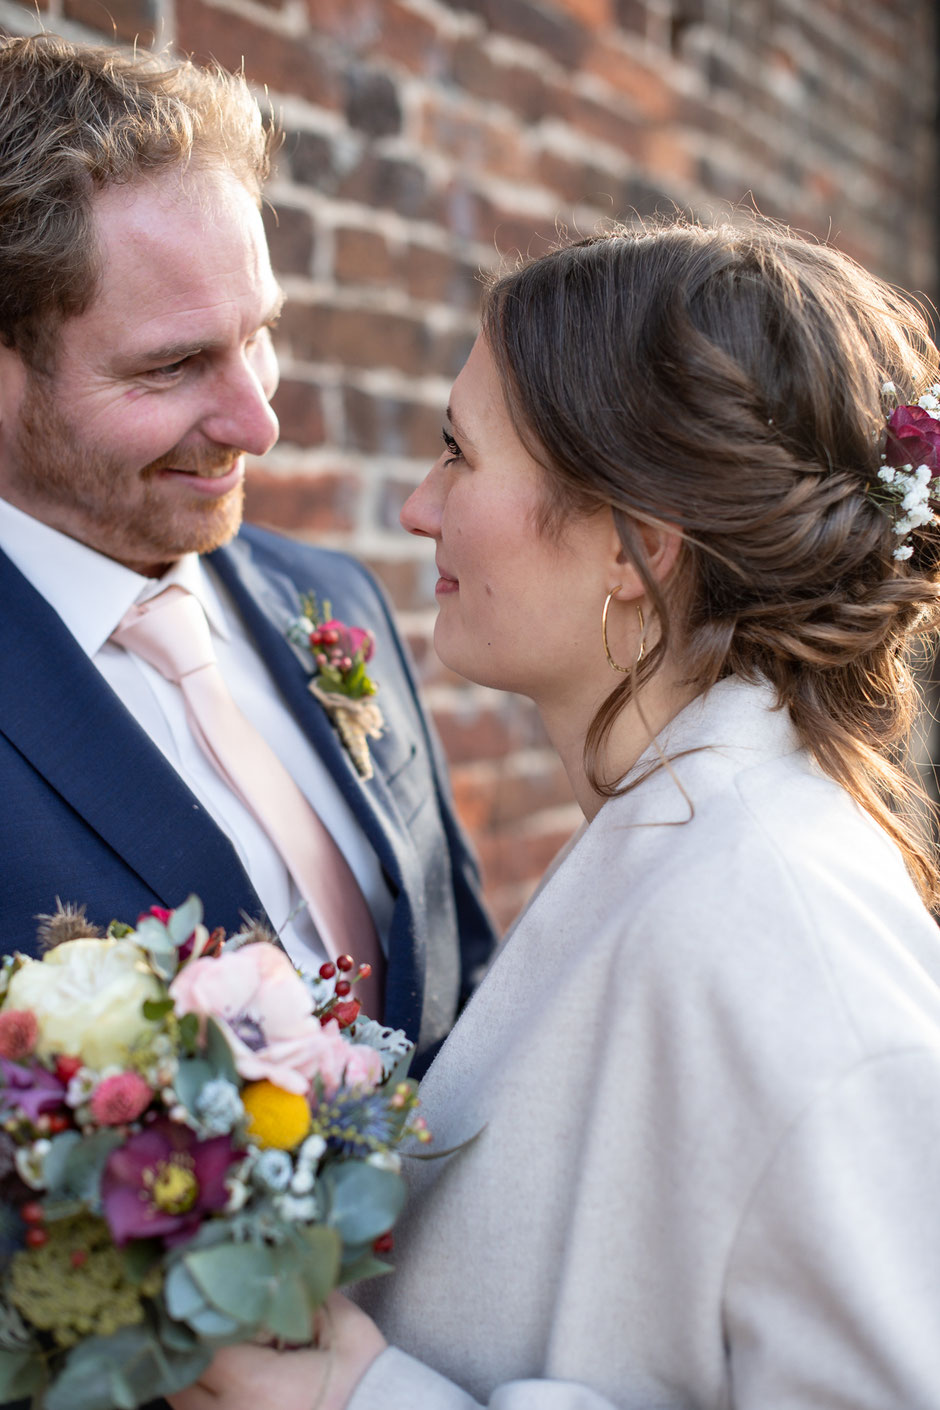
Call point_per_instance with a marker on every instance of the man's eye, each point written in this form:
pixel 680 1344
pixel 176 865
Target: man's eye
pixel 169 370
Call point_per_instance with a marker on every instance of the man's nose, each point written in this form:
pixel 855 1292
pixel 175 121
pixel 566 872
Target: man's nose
pixel 241 415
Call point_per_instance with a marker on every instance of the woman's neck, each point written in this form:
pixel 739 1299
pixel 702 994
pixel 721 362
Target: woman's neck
pixel 567 723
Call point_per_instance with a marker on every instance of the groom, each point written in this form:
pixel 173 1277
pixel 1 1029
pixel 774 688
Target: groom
pixel 136 371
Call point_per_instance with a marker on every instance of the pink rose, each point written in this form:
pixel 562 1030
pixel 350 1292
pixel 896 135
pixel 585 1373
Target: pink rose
pixel 263 1008
pixel 351 639
pixel 913 439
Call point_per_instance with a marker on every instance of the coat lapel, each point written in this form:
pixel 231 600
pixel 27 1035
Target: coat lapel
pixel 60 713
pixel 267 602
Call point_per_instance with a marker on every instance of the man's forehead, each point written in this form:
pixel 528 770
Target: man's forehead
pixel 191 249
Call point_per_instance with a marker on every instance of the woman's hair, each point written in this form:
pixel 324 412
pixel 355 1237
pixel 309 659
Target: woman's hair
pixel 77 118
pixel 727 380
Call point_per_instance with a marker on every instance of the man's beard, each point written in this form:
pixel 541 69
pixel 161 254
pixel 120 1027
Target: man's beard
pixel 104 502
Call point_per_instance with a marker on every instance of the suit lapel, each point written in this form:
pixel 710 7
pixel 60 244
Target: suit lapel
pixel 61 715
pixel 267 602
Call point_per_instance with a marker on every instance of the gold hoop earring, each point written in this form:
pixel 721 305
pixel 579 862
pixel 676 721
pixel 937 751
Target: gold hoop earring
pixel 624 670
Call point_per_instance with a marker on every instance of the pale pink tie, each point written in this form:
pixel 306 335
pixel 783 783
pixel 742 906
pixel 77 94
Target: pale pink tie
pixel 171 633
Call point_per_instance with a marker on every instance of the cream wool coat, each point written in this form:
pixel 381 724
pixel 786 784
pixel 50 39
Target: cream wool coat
pixel 705 1074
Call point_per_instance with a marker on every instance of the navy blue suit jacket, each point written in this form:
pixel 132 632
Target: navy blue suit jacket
pixel 92 812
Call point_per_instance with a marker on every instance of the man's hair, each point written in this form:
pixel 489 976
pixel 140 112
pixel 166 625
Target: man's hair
pixel 77 118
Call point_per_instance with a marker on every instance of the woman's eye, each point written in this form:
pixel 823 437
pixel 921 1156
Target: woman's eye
pixel 453 449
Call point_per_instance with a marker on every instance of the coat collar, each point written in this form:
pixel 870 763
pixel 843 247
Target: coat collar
pixel 57 710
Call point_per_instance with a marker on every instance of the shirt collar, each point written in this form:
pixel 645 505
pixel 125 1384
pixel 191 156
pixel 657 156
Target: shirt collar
pixel 90 592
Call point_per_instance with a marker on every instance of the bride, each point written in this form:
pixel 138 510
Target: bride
pixel 699 1089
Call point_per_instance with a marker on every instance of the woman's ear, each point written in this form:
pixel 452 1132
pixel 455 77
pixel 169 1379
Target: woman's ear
pixel 661 544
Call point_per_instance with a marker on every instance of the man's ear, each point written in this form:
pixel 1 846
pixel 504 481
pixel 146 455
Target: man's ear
pixel 661 544
pixel 12 383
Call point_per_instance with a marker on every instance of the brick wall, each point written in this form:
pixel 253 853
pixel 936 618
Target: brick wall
pixel 424 139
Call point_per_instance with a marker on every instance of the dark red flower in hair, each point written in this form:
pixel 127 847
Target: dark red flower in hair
pixel 913 439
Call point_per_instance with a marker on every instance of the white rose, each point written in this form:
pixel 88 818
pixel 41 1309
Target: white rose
pixel 87 997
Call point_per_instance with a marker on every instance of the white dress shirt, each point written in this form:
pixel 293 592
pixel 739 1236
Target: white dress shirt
pixel 91 593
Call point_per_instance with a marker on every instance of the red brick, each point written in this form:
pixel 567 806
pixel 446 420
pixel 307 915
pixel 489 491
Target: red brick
pixel 118 19
pixel 391 183
pixel 404 581
pixel 496 798
pixel 302 503
pixel 386 425
pixel 438 277
pixel 290 238
pixel 646 87
pixel 607 124
pixel 357 337
pixel 522 89
pixel 299 409
pixel 286 64
pixel 511 857
pixel 474 732
pixel 597 14
pixel 476 143
pixel 362 257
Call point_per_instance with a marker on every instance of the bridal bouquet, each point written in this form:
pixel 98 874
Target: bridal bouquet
pixel 197 1144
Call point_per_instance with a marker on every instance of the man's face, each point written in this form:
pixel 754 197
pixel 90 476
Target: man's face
pixel 134 442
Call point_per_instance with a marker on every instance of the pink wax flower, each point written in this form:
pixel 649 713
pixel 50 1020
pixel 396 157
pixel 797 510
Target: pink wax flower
pixel 120 1099
pixel 263 1008
pixel 19 1029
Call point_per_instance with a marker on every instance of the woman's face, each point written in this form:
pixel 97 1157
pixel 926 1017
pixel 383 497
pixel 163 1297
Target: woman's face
pixel 519 608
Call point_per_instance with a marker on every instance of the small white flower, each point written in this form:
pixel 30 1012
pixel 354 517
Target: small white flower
pixel 274 1169
pixel 902 553
pixel 303 1181
pixel 301 1210
pixel 311 1150
pixel 219 1106
pixel 238 1193
pixel 81 1086
pixel 385 1160
pixel 888 474
pixel 30 1163
pixel 888 389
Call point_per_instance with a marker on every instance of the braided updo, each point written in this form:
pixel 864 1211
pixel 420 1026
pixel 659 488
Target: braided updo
pixel 728 380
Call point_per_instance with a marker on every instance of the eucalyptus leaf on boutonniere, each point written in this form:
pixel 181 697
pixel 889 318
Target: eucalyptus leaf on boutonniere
pixel 338 654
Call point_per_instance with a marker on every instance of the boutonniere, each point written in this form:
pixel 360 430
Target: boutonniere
pixel 339 654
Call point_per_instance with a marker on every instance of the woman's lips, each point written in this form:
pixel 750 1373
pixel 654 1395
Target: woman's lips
pixel 445 583
pixel 211 485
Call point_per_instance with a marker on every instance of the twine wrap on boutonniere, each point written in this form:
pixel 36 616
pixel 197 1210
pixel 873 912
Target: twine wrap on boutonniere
pixel 339 654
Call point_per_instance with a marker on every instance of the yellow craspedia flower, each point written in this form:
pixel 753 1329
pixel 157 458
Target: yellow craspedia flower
pixel 276 1119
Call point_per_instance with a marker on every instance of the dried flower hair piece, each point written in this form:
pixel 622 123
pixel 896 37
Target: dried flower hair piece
pixel 909 478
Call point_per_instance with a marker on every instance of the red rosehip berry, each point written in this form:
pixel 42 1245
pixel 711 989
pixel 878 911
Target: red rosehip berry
pixel 36 1237
pixel 32 1212
pixel 364 971
pixel 66 1067
pixel 345 962
pixel 327 970
pixel 384 1243
pixel 343 987
pixel 58 1123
